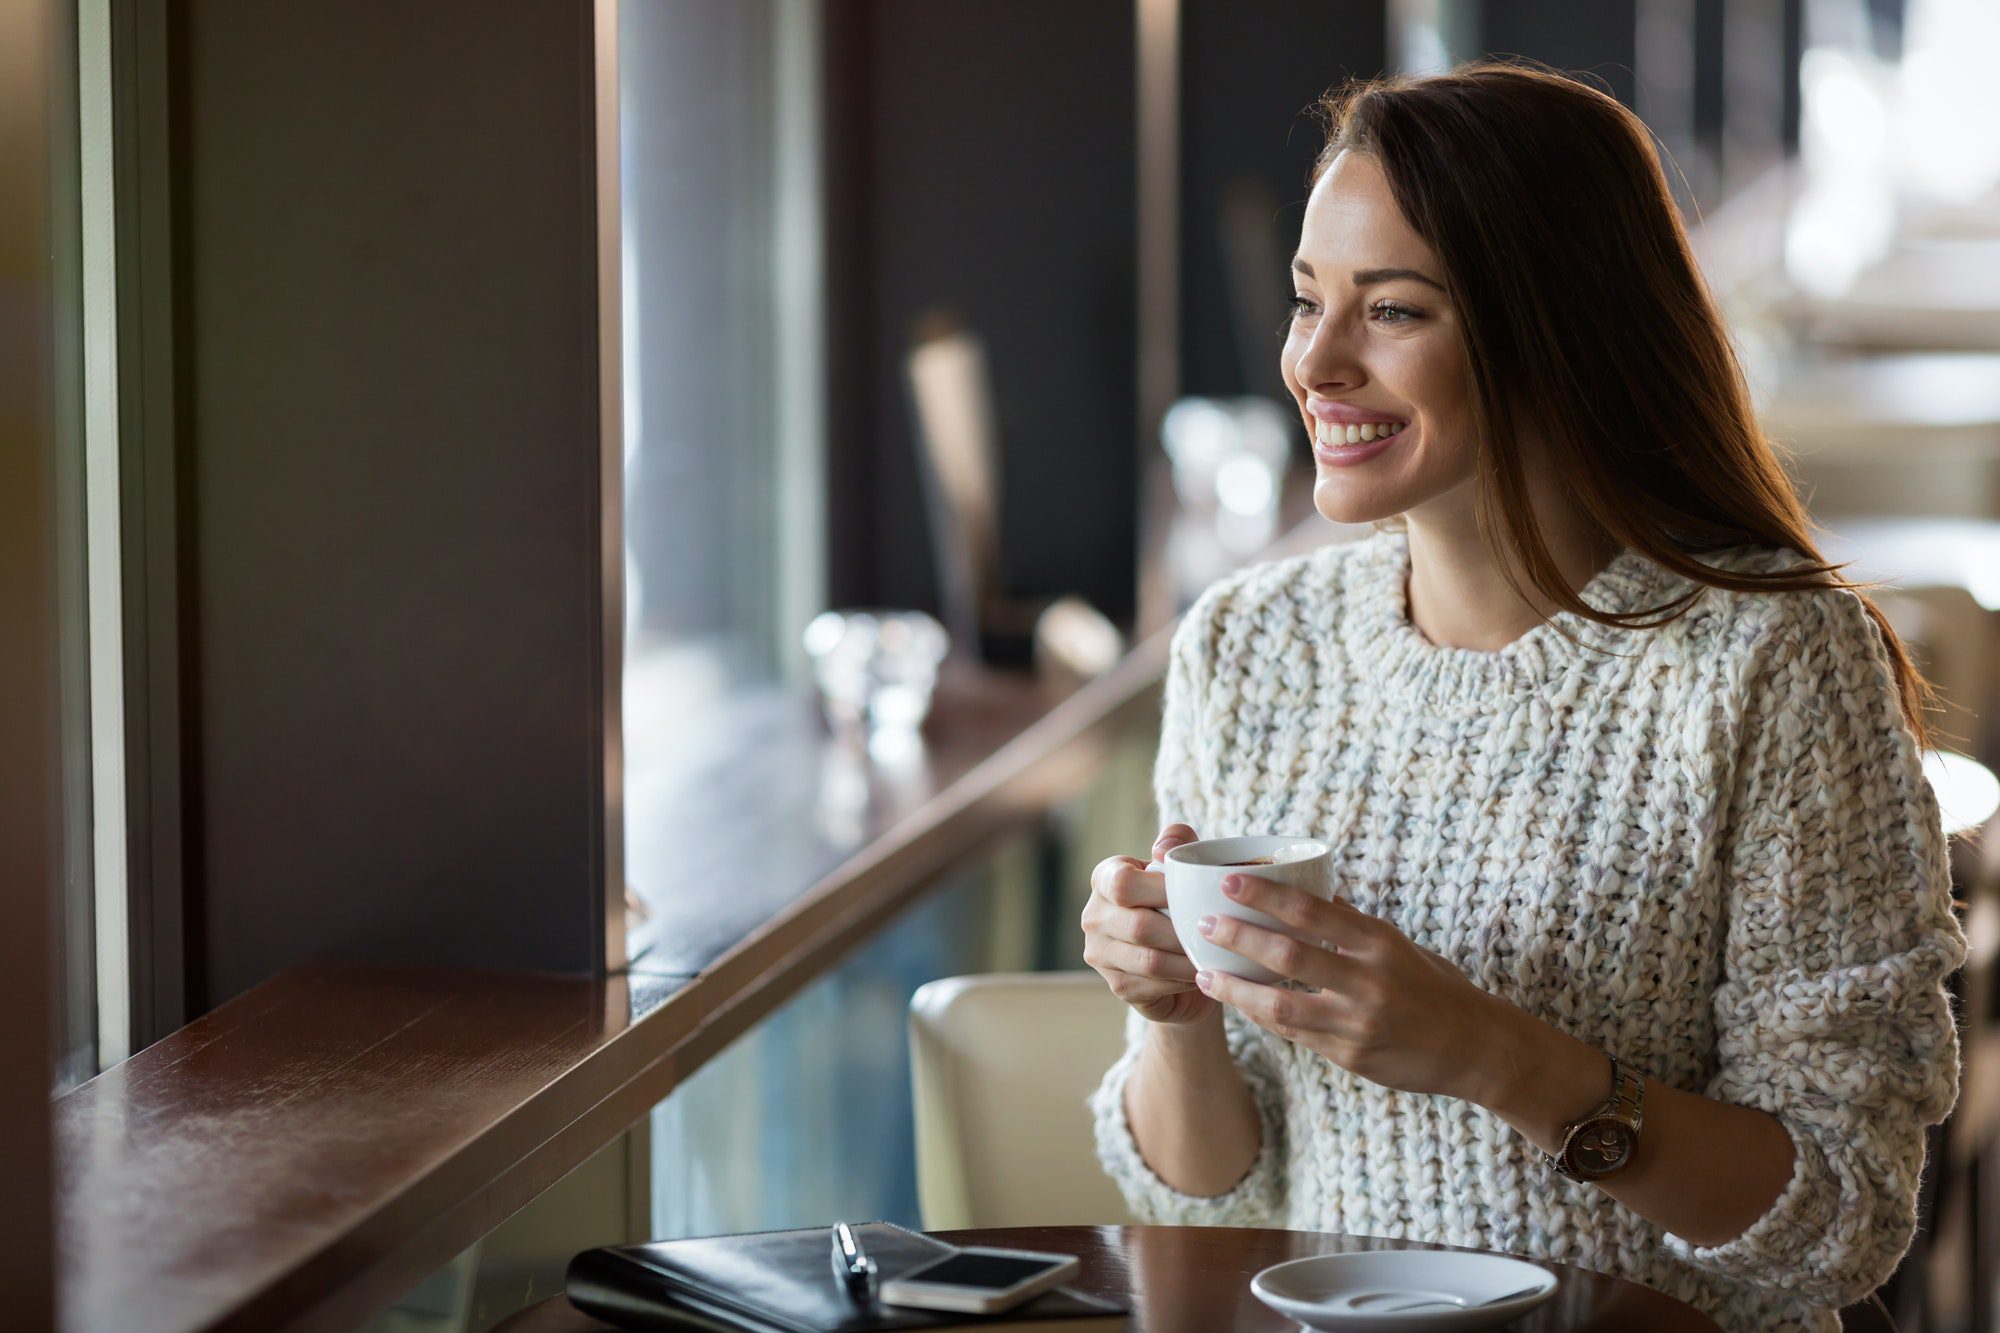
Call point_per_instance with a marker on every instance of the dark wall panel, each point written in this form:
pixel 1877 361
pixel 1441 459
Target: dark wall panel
pixel 847 115
pixel 37 101
pixel 983 160
pixel 1795 45
pixel 1250 72
pixel 1582 36
pixel 391 410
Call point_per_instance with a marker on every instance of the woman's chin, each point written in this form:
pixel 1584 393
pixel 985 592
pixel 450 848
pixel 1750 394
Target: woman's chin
pixel 1340 501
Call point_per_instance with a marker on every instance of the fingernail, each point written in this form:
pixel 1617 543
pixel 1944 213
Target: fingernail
pixel 1204 979
pixel 1206 925
pixel 1233 885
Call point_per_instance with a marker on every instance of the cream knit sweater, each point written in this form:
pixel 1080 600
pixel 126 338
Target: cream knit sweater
pixel 1710 851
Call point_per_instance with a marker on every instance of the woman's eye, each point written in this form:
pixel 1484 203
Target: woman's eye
pixel 1389 313
pixel 1295 306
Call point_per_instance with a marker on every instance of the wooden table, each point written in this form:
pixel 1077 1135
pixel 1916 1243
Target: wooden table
pixel 1197 1280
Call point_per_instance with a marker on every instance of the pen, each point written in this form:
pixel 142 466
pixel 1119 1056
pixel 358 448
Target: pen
pixel 855 1269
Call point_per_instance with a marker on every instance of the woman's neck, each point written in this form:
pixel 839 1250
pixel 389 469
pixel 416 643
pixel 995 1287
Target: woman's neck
pixel 1459 596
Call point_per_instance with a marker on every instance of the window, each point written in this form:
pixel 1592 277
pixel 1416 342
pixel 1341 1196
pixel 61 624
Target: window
pixel 720 217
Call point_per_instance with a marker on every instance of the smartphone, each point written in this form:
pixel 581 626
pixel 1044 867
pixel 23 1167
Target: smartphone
pixel 976 1280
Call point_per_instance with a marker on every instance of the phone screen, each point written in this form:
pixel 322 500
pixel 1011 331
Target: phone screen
pixel 996 1272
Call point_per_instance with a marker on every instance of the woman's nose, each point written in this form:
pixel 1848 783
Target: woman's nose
pixel 1330 360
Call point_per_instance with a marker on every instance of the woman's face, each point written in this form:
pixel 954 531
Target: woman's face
pixel 1374 349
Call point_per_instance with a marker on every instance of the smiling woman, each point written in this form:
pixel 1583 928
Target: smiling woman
pixel 1642 903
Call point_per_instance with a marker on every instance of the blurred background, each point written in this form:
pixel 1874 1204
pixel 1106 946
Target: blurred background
pixel 936 371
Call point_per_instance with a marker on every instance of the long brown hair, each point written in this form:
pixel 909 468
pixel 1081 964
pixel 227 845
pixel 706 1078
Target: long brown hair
pixel 1581 301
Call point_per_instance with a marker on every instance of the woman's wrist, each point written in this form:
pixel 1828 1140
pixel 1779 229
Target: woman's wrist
pixel 1191 1113
pixel 1538 1078
pixel 1198 1043
pixel 1190 1064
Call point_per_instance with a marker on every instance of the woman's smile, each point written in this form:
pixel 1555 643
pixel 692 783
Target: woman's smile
pixel 1344 434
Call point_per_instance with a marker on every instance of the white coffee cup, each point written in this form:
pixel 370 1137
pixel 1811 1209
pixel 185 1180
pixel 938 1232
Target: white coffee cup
pixel 1195 871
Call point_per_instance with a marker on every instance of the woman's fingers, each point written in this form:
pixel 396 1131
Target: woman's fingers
pixel 1142 961
pixel 1172 836
pixel 1138 971
pixel 1142 925
pixel 1131 925
pixel 1123 932
pixel 1142 993
pixel 1283 954
pixel 1338 922
pixel 1132 945
pixel 1138 940
pixel 1124 881
pixel 1287 1013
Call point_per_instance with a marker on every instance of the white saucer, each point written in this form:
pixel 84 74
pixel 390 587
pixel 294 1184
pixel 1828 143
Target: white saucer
pixel 1357 1293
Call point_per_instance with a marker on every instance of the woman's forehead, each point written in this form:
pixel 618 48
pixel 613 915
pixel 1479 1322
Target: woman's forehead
pixel 1351 218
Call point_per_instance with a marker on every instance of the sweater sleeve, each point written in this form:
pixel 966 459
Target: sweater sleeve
pixel 1830 1010
pixel 1258 1199
pixel 1181 776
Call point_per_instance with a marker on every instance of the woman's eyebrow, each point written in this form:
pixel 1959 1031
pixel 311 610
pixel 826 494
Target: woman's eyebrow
pixel 1364 276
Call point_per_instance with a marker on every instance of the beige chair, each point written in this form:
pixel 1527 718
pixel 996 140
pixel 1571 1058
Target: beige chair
pixel 1000 1066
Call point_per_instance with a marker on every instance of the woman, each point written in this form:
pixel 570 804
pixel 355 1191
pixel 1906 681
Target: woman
pixel 1622 778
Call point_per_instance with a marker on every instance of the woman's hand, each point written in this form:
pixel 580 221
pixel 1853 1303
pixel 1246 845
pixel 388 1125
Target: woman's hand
pixel 1132 946
pixel 1386 1008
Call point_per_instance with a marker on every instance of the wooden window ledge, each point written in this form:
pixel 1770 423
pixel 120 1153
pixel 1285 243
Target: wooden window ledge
pixel 308 1152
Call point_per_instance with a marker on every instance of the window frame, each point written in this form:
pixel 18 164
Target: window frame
pixel 151 486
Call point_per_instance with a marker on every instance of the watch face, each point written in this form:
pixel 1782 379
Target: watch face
pixel 1601 1146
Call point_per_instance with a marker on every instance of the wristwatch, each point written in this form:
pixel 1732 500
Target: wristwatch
pixel 1603 1141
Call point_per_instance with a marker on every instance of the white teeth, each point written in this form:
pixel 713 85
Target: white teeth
pixel 1327 433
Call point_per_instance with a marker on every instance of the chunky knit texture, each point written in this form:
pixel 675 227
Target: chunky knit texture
pixel 1708 849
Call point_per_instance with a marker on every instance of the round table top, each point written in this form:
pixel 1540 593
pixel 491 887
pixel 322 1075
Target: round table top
pixel 1197 1280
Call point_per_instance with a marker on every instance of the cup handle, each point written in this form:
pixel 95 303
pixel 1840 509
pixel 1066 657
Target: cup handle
pixel 1156 868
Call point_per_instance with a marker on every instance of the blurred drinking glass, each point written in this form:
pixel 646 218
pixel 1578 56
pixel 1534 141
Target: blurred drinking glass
pixel 876 670
pixel 1229 457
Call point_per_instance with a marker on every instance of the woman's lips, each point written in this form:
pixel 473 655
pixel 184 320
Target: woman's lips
pixel 1347 414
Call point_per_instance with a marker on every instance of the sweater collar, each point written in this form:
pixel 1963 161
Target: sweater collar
pixel 1410 669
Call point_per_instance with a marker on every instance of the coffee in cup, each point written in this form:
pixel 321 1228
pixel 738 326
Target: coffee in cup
pixel 1195 871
